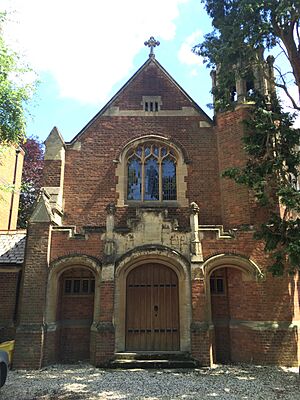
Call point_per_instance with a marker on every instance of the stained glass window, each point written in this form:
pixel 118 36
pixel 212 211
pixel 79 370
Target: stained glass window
pixel 151 180
pixel 151 172
pixel 134 179
pixel 169 179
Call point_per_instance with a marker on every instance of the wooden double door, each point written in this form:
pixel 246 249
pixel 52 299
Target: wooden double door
pixel 152 311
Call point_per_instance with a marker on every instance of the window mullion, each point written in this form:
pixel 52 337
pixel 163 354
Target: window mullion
pixel 143 174
pixel 160 175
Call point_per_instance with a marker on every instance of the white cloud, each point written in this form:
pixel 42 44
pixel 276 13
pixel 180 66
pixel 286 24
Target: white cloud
pixel 87 45
pixel 185 54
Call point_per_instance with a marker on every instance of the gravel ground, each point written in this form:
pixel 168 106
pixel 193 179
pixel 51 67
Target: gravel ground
pixel 82 381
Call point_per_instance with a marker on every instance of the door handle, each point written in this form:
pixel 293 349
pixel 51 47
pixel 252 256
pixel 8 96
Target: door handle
pixel 155 308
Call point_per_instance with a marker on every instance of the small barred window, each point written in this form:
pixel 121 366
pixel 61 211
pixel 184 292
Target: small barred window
pixel 76 286
pixel 151 106
pixel 151 103
pixel 151 169
pixel 217 283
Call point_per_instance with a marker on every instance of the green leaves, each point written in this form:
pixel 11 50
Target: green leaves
pixel 13 95
pixel 240 29
pixel 271 172
pixel 282 241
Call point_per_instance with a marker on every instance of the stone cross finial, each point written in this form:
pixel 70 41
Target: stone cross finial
pixel 152 43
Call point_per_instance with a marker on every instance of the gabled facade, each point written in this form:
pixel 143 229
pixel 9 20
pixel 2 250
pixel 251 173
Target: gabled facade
pixel 137 245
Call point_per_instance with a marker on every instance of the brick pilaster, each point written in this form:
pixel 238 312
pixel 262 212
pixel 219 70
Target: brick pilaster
pixel 30 335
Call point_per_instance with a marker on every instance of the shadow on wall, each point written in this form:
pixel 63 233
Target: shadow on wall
pixel 254 320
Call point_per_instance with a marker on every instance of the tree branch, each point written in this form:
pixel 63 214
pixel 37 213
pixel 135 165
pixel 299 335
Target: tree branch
pixel 284 87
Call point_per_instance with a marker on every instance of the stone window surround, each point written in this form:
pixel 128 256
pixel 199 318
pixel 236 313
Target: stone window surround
pixel 181 174
pixel 154 100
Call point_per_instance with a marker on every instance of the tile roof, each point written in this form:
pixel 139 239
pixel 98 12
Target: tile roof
pixel 12 247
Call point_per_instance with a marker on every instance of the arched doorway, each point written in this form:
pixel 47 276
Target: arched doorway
pixel 75 313
pixel 152 309
pixel 231 283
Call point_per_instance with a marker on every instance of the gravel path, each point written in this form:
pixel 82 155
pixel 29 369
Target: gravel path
pixel 81 381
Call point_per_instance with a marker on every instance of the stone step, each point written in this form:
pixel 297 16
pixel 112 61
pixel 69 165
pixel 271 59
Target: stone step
pixel 150 355
pixel 153 364
pixel 151 360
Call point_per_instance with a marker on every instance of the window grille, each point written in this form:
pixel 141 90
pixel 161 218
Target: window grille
pixel 74 286
pixel 151 103
pixel 151 106
pixel 217 283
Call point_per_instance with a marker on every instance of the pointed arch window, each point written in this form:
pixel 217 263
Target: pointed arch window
pixel 151 173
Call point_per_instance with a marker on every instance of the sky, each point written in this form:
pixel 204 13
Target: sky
pixel 83 52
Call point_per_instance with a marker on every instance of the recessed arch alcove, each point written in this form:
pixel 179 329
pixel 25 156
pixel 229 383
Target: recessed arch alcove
pixel 163 257
pixel 230 284
pixel 73 296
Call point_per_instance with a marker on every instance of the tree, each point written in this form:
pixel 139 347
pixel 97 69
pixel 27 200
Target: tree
pixel 14 93
pixel 31 178
pixel 272 172
pixel 242 30
pixel 242 27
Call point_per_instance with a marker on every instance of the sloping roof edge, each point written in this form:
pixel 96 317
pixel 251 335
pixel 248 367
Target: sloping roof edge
pixel 12 247
pixel 102 111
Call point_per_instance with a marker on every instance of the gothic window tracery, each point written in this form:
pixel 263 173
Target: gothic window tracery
pixel 151 173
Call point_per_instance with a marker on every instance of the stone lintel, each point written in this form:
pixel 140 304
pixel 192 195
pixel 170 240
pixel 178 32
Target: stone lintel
pixel 31 328
pixel 264 325
pixel 183 112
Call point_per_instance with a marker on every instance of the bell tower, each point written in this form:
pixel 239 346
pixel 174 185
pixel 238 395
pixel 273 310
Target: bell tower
pixel 238 206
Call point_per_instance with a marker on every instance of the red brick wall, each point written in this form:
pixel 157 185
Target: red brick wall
pixel 8 296
pixel 51 173
pixel 238 204
pixel 235 198
pixel 90 174
pixel 265 347
pixel 104 339
pixel 198 300
pixel 151 82
pixel 30 332
pixel 246 301
pixel 63 245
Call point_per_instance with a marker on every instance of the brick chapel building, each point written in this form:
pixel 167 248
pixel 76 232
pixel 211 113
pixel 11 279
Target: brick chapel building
pixel 137 244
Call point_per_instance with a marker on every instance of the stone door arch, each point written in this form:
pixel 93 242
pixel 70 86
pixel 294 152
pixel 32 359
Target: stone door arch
pixel 164 257
pixel 230 283
pixel 67 274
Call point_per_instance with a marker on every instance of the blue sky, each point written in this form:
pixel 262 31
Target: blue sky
pixel 83 52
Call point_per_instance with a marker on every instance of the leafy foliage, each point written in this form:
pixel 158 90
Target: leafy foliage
pixel 13 94
pixel 31 178
pixel 271 172
pixel 242 30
